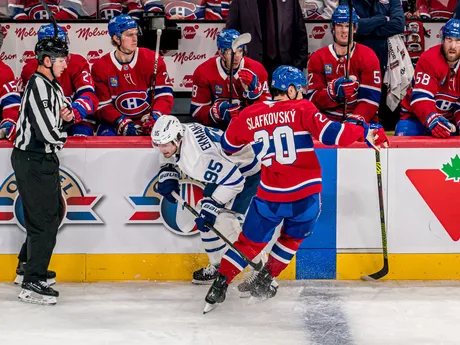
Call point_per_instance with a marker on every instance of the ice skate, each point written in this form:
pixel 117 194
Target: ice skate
pixel 205 275
pixel 216 293
pixel 50 275
pixel 38 293
pixel 262 287
pixel 245 287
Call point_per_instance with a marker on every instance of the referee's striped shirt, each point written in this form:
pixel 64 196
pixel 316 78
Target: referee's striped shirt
pixel 40 127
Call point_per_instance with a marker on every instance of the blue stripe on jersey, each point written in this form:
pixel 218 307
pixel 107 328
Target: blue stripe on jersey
pixel 420 94
pixel 370 94
pixel 290 190
pixel 241 179
pixel 214 134
pixel 301 141
pixel 249 166
pixel 310 94
pixel 235 257
pixel 281 253
pixel 84 90
pixel 228 175
pixel 11 99
pixel 227 147
pixel 162 90
pixel 331 133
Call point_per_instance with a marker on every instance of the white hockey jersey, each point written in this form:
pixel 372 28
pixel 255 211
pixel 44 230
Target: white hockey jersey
pixel 202 158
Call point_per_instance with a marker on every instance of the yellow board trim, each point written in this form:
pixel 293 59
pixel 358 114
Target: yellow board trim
pixel 116 267
pixel 402 266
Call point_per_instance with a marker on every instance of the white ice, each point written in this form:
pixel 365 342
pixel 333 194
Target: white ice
pixel 303 312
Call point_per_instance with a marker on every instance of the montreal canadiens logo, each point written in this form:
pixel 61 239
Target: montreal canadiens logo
pixel 78 205
pixel 132 103
pixel 151 207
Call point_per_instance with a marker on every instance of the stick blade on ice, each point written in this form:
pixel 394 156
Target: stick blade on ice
pixel 377 275
pixel 242 39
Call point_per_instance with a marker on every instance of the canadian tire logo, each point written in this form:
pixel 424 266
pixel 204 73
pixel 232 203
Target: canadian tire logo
pixel 187 81
pixel 189 32
pixel 318 32
pixel 440 189
pixel 94 55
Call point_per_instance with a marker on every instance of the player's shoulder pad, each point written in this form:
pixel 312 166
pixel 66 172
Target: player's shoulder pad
pixel 6 73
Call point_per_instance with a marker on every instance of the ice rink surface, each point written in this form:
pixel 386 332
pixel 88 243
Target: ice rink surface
pixel 303 312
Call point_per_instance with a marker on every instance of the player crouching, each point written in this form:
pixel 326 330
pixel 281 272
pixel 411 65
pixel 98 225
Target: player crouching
pixel 281 131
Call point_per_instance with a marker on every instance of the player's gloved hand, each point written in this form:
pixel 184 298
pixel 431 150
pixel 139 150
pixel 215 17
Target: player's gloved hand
pixel 125 126
pixel 250 82
pixel 342 88
pixel 352 118
pixel 7 129
pixel 438 125
pixel 148 121
pixel 223 111
pixel 210 209
pixel 168 182
pixel 374 136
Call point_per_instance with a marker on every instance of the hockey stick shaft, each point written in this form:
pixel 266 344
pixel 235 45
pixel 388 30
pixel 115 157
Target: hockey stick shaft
pixel 232 59
pixel 349 42
pixel 384 271
pixel 257 266
pixel 155 67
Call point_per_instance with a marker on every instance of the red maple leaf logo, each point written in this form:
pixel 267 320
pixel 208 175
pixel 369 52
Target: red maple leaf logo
pixel 441 196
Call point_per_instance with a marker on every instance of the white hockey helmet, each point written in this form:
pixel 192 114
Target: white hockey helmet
pixel 167 129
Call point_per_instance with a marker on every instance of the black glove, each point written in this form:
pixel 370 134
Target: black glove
pixel 168 182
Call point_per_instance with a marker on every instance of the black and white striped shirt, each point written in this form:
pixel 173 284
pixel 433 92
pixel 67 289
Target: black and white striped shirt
pixel 40 127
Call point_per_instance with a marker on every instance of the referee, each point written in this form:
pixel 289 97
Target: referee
pixel 44 117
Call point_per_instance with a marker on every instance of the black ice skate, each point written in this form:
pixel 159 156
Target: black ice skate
pixel 247 285
pixel 216 293
pixel 205 275
pixel 50 275
pixel 262 287
pixel 38 293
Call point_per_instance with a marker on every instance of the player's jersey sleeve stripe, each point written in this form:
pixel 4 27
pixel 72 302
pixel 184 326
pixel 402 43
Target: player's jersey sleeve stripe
pixel 369 94
pixel 310 94
pixel 225 179
pixel 330 134
pixel 422 91
pixel 227 146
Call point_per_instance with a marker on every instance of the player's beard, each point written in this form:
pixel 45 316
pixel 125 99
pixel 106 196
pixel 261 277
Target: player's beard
pixel 453 57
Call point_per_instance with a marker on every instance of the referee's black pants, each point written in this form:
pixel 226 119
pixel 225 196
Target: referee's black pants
pixel 37 177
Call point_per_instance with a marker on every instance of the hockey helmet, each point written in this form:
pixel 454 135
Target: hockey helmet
pixel 167 129
pixel 48 31
pixel 284 76
pixel 451 29
pixel 342 15
pixel 52 47
pixel 225 39
pixel 121 23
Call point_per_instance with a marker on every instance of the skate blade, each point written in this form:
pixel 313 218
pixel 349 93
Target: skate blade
pixel 19 279
pixel 202 282
pixel 245 294
pixel 208 307
pixel 28 296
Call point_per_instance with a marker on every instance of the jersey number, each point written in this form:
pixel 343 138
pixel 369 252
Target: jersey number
pixel 283 144
pixel 422 78
pixel 214 168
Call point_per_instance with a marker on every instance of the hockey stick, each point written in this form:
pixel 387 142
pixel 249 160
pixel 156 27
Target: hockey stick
pixel 239 41
pixel 51 15
pixel 350 37
pixel 257 266
pixel 154 77
pixel 384 271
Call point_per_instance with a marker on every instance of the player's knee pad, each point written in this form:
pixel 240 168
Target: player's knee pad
pixel 80 130
pixel 410 127
pixel 106 131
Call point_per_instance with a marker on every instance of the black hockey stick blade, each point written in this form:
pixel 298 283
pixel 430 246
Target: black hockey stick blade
pixel 380 274
pixel 257 266
pixel 241 40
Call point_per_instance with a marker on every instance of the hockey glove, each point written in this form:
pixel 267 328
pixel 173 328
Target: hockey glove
pixel 438 125
pixel 7 129
pixel 223 111
pixel 354 119
pixel 374 136
pixel 210 209
pixel 168 182
pixel 342 88
pixel 148 121
pixel 125 126
pixel 250 82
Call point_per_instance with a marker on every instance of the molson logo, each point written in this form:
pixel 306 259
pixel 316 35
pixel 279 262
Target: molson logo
pixel 94 55
pixel 187 81
pixel 318 32
pixel 5 29
pixel 189 32
pixel 151 207
pixel 88 33
pixel 183 57
pixel 28 55
pixel 22 33
pixel 78 205
pixel 211 33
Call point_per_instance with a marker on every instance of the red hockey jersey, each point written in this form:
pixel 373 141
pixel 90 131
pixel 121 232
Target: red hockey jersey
pixel 325 65
pixel 189 9
pixel 211 83
pixel 77 84
pixel 112 8
pixel 436 9
pixel 435 89
pixel 33 9
pixel 125 89
pixel 10 100
pixel 280 133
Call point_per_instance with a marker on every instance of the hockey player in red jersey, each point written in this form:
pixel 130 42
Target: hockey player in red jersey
pixel 328 88
pixel 124 78
pixel 76 82
pixel 112 8
pixel 186 9
pixel 431 105
pixel 211 84
pixel 10 100
pixel 281 132
pixel 33 9
pixel 435 9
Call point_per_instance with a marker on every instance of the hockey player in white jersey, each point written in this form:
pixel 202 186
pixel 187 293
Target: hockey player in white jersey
pixel 231 181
